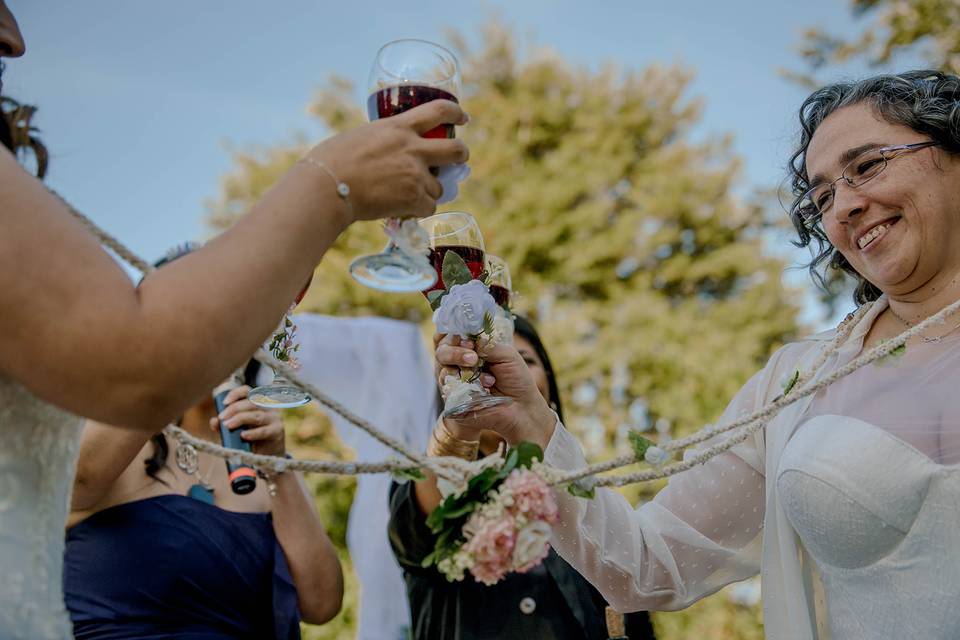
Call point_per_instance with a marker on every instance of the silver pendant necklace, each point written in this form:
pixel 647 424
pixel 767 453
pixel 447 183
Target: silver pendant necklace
pixel 923 338
pixel 188 460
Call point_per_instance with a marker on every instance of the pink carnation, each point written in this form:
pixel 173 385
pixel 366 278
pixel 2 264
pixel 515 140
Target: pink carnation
pixel 492 549
pixel 531 496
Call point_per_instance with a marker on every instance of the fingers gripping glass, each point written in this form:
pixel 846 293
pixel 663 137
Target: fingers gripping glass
pixel 406 73
pixel 865 167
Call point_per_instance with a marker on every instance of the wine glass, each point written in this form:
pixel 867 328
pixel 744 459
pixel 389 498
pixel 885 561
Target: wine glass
pixel 498 279
pixel 405 74
pixel 281 393
pixel 500 286
pixel 458 232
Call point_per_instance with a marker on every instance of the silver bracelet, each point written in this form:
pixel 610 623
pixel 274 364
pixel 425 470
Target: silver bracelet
pixel 343 189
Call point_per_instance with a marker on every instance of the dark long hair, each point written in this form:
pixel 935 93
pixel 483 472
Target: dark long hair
pixel 926 101
pixel 525 329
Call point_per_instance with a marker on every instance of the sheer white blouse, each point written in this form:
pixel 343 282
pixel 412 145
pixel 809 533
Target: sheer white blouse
pixel 846 504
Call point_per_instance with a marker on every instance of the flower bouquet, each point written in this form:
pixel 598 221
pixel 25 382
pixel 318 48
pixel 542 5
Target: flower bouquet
pixel 498 523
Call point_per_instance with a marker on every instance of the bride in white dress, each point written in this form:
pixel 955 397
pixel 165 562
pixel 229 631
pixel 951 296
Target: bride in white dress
pixel 847 503
pixel 76 333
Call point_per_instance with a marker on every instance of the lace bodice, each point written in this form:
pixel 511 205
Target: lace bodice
pixel 878 517
pixel 37 464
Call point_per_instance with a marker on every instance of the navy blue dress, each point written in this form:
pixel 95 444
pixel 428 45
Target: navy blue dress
pixel 172 567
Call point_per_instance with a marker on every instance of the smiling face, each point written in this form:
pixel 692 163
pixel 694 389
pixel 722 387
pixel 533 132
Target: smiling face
pixel 900 230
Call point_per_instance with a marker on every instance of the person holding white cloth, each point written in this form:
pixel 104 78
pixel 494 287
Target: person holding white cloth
pixel 846 503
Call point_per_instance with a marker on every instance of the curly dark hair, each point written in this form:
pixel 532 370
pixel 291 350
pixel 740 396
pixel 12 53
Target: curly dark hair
pixel 18 135
pixel 926 101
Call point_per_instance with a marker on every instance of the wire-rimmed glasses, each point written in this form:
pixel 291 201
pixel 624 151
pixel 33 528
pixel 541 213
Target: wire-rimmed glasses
pixel 818 199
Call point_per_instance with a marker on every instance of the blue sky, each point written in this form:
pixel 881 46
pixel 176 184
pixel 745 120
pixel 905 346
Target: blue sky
pixel 140 100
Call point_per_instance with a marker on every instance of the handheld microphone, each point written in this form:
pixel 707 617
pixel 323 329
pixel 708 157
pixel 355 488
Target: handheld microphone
pixel 243 479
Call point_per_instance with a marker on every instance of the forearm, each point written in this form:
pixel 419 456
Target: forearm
pixel 80 335
pixel 310 554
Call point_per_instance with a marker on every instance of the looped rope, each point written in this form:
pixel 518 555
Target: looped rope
pixel 458 471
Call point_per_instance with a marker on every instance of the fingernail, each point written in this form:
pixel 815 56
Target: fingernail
pixel 470 358
pixel 467 344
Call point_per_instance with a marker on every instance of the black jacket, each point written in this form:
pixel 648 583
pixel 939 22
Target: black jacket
pixel 550 602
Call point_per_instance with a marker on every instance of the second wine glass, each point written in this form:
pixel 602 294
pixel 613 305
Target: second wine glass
pixel 457 232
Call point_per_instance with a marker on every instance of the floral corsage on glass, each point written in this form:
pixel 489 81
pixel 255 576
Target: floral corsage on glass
pixel 500 522
pixel 463 305
pixel 281 393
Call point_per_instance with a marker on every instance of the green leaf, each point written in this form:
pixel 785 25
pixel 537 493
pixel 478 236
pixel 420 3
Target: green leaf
pixel 639 443
pixel 488 324
pixel 893 357
pixel 791 383
pixel 582 488
pixel 435 297
pixel 526 453
pixel 405 475
pixel 454 270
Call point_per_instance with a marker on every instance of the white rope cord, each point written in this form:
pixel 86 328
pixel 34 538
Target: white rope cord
pixel 453 468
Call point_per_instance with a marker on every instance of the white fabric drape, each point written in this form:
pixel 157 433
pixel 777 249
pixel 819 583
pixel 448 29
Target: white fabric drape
pixel 381 370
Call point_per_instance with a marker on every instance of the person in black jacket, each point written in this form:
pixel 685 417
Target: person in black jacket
pixel 550 602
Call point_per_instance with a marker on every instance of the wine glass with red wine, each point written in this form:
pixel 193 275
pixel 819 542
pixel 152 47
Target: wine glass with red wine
pixel 405 74
pixel 498 279
pixel 281 393
pixel 458 232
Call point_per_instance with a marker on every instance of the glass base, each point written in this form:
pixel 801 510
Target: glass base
pixel 478 403
pixel 393 271
pixel 283 396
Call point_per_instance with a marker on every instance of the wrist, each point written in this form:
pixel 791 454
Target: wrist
pixel 540 426
pixel 334 190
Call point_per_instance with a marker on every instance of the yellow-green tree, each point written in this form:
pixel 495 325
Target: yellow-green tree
pixel 645 272
pixel 931 27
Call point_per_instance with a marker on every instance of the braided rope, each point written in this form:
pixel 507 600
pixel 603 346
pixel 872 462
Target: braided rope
pixel 455 468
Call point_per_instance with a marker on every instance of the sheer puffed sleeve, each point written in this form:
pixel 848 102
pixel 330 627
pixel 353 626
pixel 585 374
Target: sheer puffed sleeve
pixel 701 532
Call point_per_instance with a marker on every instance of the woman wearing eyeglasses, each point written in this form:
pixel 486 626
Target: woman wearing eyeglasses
pixel 847 502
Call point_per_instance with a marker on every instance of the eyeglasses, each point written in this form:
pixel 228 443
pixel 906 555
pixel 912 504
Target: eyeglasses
pixel 865 167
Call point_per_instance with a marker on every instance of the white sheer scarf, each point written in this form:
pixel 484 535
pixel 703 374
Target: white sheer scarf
pixel 723 521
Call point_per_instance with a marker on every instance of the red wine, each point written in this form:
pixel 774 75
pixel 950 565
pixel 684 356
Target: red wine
pixel 395 100
pixel 471 255
pixel 500 294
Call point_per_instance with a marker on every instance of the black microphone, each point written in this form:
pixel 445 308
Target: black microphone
pixel 243 479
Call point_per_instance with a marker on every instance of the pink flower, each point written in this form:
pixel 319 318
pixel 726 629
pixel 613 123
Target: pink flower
pixel 531 496
pixel 492 549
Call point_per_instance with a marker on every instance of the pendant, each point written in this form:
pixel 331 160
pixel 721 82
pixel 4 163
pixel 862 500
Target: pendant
pixel 201 493
pixel 187 458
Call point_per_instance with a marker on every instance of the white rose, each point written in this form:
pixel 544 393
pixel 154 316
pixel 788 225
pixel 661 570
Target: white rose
pixel 462 310
pixel 530 543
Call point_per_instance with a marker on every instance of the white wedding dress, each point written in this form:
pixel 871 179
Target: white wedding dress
pixel 848 505
pixel 38 458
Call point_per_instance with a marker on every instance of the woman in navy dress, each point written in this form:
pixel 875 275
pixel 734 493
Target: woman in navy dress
pixel 159 546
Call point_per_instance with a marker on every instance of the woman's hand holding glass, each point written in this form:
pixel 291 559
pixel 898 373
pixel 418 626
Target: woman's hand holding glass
pixel 386 163
pixel 528 418
pixel 263 427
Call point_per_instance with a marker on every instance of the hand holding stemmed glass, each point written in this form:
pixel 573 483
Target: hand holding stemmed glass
pixel 462 303
pixel 280 393
pixel 405 74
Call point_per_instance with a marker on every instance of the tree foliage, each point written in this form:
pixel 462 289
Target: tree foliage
pixel 627 241
pixel 931 27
